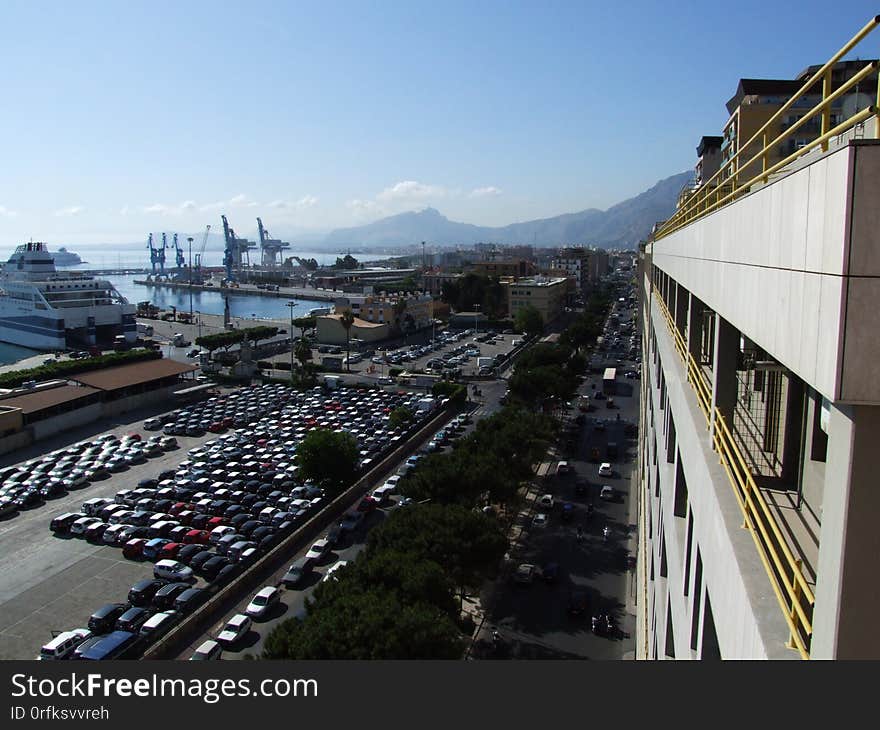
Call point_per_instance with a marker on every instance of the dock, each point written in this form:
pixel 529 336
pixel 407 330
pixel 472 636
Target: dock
pixel 318 295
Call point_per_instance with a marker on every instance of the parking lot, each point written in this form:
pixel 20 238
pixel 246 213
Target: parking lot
pixel 53 583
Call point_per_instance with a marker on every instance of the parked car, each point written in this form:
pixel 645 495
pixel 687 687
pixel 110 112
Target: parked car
pixel 173 570
pixel 207 650
pixel 103 620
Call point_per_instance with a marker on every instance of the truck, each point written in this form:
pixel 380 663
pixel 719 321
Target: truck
pixel 332 381
pixel 609 381
pixel 178 340
pixel 145 329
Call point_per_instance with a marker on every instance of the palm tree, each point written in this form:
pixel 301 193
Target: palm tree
pixel 347 320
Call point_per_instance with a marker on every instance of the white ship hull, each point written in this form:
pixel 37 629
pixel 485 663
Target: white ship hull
pixel 44 310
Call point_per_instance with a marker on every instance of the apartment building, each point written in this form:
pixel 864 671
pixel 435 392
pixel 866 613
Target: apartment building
pixel 505 267
pixel 757 100
pixel 545 293
pixel 401 312
pixel 760 415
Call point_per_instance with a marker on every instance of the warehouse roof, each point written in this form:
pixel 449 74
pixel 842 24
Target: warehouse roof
pixel 38 400
pixel 137 373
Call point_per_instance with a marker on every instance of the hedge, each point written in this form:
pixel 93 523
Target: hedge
pixel 65 368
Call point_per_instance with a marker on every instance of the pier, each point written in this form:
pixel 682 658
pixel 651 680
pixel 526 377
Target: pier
pixel 289 292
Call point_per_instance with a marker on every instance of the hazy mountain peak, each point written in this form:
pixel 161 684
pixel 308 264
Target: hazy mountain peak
pixel 622 225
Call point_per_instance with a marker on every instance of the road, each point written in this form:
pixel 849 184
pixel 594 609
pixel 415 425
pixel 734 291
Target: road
pixel 533 620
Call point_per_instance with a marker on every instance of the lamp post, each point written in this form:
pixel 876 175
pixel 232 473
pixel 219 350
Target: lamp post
pixel 190 278
pixel 291 304
pixel 476 318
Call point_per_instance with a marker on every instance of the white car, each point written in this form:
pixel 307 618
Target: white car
pixel 606 493
pixel 329 575
pixel 173 570
pixel 263 602
pixel 546 500
pixel 540 520
pixel 235 629
pixel 318 550
pixel 207 650
pixel 605 470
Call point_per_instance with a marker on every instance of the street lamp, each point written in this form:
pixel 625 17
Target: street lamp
pixel 476 318
pixel 190 278
pixel 291 304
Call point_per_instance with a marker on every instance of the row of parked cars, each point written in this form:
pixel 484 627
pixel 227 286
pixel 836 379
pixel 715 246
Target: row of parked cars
pixel 231 501
pixel 31 483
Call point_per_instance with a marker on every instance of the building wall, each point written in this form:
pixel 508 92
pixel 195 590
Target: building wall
pixel 797 250
pixel 790 267
pixel 548 299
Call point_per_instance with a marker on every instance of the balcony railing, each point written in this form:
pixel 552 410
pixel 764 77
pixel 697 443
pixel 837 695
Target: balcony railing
pixel 710 197
pixel 793 592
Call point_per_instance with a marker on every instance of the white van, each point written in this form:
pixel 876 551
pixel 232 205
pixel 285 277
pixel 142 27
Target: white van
pixel 92 506
pixel 383 493
pixel 63 645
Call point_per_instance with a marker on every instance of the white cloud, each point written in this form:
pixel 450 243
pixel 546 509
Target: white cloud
pixel 483 192
pixel 70 210
pixel 124 210
pixel 6 213
pixel 411 190
pixel 309 201
pixel 188 205
pixel 236 201
pixel 365 208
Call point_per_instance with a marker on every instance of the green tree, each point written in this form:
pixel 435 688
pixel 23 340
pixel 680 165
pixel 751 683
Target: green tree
pixel 347 320
pixel 400 417
pixel 346 262
pixel 466 544
pixel 302 351
pixel 305 323
pixel 255 334
pixel 328 458
pixel 529 320
pixel 220 339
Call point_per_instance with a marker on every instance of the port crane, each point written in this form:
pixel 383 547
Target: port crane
pixel 157 255
pixel 180 260
pixel 235 252
pixel 271 247
pixel 197 265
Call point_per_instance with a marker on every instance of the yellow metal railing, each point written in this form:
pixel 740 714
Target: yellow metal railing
pixel 724 186
pixel 793 592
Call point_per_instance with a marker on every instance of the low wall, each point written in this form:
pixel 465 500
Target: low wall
pixel 16 441
pixel 65 421
pixel 223 600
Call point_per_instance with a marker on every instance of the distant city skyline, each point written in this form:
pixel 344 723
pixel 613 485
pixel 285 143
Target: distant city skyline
pixel 127 118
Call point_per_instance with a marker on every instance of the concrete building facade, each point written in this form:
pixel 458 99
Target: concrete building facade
pixel 546 294
pixel 760 418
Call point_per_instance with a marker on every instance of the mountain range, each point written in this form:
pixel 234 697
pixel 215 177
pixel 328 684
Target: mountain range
pixel 621 226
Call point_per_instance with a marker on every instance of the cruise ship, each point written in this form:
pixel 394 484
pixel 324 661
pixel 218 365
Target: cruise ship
pixel 44 309
pixel 63 257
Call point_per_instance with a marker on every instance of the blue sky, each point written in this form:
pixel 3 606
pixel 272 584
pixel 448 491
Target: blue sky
pixel 122 118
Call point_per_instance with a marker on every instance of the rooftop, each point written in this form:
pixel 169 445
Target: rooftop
pixel 38 400
pixel 134 374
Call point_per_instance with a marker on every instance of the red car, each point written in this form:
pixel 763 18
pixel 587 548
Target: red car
pixel 170 550
pixel 134 548
pixel 367 504
pixel 227 422
pixel 216 427
pixel 133 436
pixel 177 508
pixel 214 522
pixel 199 537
